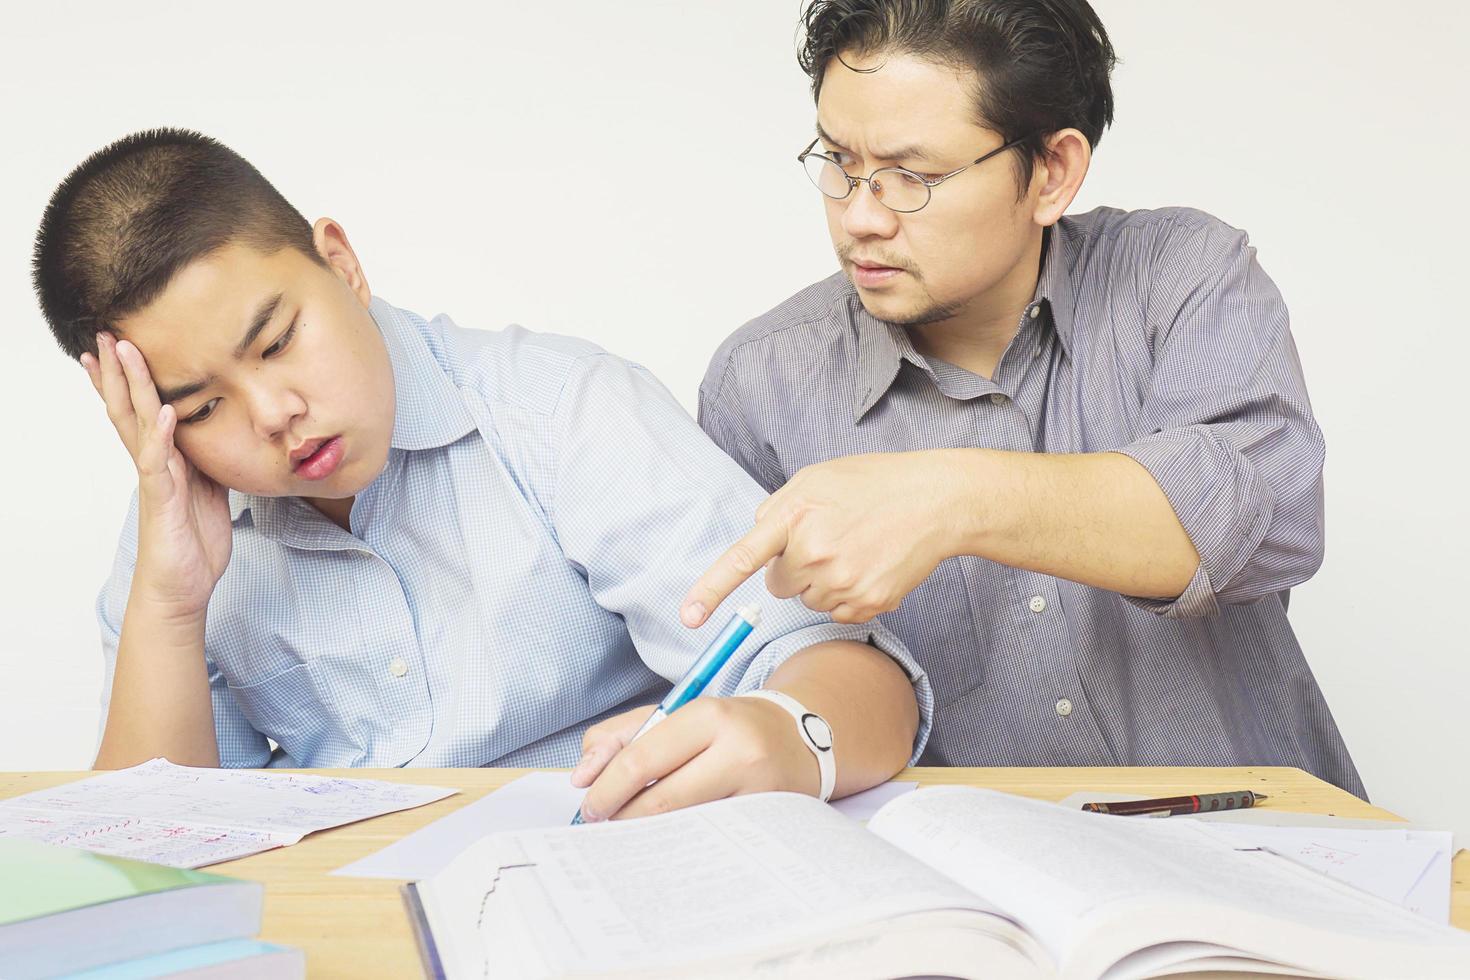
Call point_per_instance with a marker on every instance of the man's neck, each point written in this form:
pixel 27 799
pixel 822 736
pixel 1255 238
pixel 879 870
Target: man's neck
pixel 977 337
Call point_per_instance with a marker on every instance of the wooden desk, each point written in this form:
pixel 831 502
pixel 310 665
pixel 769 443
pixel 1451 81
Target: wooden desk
pixel 356 927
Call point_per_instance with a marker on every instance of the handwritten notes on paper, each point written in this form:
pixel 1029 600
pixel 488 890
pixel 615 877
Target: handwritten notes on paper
pixel 188 818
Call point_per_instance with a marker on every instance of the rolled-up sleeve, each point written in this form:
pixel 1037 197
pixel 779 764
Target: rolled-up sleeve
pixel 1230 436
pixel 240 744
pixel 643 502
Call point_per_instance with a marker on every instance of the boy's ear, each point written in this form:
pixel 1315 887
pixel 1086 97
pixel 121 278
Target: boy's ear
pixel 331 243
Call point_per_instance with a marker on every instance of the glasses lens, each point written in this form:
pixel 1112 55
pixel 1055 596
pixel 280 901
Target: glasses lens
pixel 827 176
pixel 900 190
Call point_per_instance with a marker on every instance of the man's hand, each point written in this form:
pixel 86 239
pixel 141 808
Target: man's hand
pixel 183 516
pixel 850 536
pixel 709 749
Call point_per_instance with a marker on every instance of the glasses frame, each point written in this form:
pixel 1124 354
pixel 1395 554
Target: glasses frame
pixel 929 182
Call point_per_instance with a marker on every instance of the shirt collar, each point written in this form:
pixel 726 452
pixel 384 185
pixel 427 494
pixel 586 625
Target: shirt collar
pixel 1054 288
pixel 883 346
pixel 429 411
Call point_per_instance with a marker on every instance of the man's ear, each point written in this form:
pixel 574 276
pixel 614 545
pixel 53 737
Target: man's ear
pixel 1060 174
pixel 331 243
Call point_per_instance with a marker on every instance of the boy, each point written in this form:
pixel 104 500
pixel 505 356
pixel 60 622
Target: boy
pixel 415 544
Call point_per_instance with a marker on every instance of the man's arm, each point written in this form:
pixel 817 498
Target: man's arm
pixel 857 534
pixel 1219 500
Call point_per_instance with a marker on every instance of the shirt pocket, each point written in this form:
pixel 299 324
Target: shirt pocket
pixel 285 707
pixel 938 624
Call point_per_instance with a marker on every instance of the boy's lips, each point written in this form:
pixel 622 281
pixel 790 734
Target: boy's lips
pixel 317 459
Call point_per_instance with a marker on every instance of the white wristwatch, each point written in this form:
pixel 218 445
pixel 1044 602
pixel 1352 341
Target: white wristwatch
pixel 814 731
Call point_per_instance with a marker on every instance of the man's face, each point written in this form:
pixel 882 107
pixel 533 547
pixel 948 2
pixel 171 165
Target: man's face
pixel 934 263
pixel 303 406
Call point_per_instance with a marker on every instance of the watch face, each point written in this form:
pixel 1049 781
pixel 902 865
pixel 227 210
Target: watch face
pixel 817 730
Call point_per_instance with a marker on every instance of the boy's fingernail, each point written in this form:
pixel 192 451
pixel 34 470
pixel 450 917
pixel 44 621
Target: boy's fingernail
pixel 693 613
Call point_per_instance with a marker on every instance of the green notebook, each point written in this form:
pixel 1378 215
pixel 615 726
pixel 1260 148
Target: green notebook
pixel 63 910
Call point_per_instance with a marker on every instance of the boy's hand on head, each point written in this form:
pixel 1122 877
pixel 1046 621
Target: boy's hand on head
pixel 709 749
pixel 183 516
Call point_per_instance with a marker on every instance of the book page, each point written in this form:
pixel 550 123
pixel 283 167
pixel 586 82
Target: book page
pixel 1052 868
pixel 728 877
pixel 535 800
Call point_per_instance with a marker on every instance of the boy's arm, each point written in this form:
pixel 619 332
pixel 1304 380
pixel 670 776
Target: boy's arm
pixel 160 698
pixel 718 747
pixel 160 704
pixel 641 499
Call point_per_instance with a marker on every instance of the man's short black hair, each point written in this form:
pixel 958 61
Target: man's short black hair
pixel 135 213
pixel 1042 65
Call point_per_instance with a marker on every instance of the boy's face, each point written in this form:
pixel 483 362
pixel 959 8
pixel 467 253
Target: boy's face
pixel 303 405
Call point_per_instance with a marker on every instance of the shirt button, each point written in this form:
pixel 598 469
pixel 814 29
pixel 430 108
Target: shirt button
pixel 1038 604
pixel 997 398
pixel 1064 707
pixel 398 668
pixel 1035 311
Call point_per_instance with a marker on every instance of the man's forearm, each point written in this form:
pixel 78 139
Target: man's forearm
pixel 160 704
pixel 868 701
pixel 1096 518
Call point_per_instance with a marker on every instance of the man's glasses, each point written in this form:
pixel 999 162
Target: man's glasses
pixel 895 188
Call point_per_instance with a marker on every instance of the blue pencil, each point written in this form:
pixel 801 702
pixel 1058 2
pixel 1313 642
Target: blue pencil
pixel 697 678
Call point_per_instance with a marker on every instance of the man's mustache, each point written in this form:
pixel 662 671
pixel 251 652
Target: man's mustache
pixel 846 253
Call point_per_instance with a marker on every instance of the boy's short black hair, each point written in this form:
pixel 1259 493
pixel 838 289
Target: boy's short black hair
pixel 1043 65
pixel 136 212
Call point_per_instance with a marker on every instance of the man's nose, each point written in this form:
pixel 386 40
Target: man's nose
pixel 865 217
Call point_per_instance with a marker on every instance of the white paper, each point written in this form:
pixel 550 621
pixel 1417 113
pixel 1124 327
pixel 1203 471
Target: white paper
pixel 536 801
pixel 188 818
pixel 862 806
pixel 1391 859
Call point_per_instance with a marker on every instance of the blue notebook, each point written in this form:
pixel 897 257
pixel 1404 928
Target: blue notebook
pixel 252 958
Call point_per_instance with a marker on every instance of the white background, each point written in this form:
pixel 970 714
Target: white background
pixel 625 171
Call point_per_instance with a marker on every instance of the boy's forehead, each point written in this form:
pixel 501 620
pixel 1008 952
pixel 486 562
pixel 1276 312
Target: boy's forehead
pixel 210 301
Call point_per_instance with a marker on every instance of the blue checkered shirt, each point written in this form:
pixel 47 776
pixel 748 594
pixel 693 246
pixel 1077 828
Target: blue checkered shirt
pixel 512 576
pixel 1154 334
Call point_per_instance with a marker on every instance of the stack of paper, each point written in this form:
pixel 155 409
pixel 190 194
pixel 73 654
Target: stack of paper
pixel 187 818
pixel 1406 865
pixel 1410 868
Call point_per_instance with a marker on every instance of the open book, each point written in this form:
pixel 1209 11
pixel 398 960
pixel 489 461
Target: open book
pixel 948 881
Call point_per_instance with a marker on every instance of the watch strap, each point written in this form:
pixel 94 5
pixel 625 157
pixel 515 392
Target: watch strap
pixel 806 721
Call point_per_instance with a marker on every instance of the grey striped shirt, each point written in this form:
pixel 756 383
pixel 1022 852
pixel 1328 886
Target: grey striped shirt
pixel 1152 333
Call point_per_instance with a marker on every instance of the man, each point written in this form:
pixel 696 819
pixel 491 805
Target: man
pixel 1078 450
